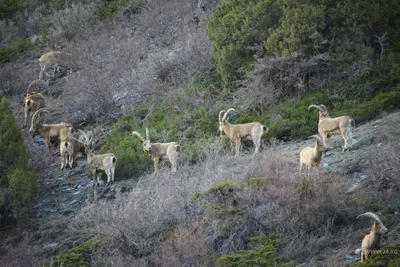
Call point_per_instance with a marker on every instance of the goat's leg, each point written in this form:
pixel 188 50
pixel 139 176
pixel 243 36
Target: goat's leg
pixel 256 143
pixel 62 161
pixel 172 160
pixel 308 172
pixel 98 178
pixel 343 132
pixel 108 172
pixel 156 160
pixel 112 175
pixel 237 148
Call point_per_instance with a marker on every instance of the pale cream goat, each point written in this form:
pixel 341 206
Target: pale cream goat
pixel 99 163
pixel 328 126
pixel 239 132
pixel 159 151
pixel 312 156
pixel 372 241
pixel 34 100
pixel 70 147
pixel 49 132
pixel 53 59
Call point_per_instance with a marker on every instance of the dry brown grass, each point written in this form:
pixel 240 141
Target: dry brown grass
pixel 157 218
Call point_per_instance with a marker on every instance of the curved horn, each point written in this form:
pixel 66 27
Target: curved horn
pixel 323 108
pixel 147 134
pixel 87 141
pixel 139 135
pixel 38 112
pixel 220 115
pixel 226 113
pixel 314 106
pixel 372 216
pixel 37 82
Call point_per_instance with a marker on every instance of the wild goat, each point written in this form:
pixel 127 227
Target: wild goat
pixel 33 100
pixel 159 151
pixel 239 132
pixel 99 163
pixel 372 241
pixel 70 146
pixel 53 59
pixel 328 126
pixel 312 156
pixel 49 132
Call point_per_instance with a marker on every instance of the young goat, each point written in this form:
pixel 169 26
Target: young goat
pixel 33 100
pixel 70 146
pixel 312 156
pixel 99 163
pixel 239 132
pixel 328 126
pixel 372 241
pixel 55 60
pixel 49 132
pixel 159 151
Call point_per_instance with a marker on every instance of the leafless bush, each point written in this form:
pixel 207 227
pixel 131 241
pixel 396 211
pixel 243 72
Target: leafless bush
pixel 156 217
pixel 69 21
pixel 274 79
pixel 384 163
pixel 19 256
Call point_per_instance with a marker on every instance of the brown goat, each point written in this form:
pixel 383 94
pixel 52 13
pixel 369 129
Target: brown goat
pixel 239 132
pixel 99 163
pixel 159 151
pixel 33 100
pixel 70 146
pixel 49 132
pixel 372 241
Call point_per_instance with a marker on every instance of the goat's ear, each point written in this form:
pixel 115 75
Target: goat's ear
pixel 147 134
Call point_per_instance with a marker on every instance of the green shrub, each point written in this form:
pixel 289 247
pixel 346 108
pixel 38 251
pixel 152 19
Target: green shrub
pixel 8 8
pixel 17 180
pixel 79 256
pixel 387 256
pixel 234 27
pixel 263 252
pixel 15 50
pixel 300 30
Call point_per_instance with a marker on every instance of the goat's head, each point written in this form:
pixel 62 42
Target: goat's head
pixel 323 110
pixel 378 226
pixel 223 120
pixel 145 142
pixel 35 122
pixel 320 144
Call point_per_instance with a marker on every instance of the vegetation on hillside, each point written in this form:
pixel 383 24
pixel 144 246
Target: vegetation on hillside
pixel 17 180
pixel 150 64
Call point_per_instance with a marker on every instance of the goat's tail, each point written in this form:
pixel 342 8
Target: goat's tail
pixel 114 160
pixel 177 147
pixel 66 144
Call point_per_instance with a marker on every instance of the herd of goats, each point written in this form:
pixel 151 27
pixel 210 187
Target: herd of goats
pixel 74 142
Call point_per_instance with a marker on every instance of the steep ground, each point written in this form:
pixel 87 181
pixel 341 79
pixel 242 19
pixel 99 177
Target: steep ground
pixel 64 193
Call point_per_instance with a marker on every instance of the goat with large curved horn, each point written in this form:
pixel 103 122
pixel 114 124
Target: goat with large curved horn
pixel 239 132
pixel 49 132
pixel 99 163
pixel 372 241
